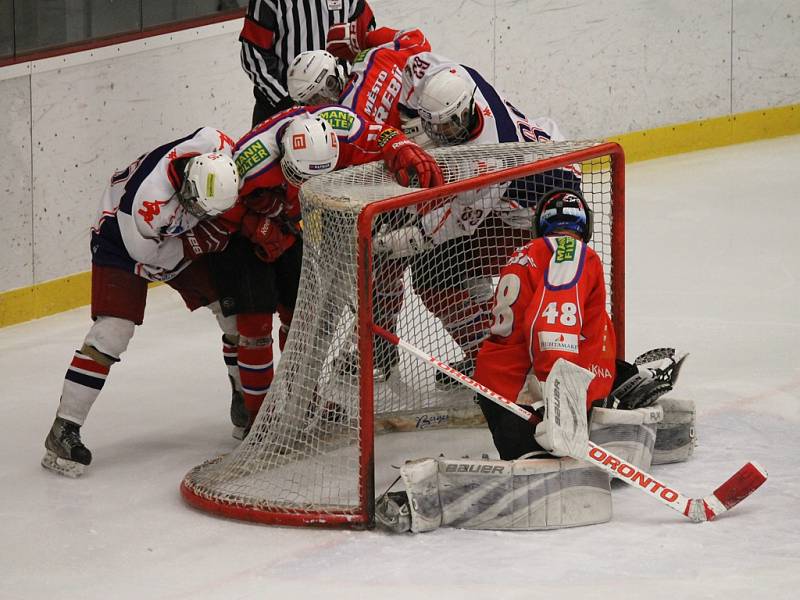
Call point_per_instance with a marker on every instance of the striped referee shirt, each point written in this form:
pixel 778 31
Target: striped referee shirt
pixel 275 31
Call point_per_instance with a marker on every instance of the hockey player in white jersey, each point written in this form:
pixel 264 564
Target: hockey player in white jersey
pixel 157 218
pixel 456 105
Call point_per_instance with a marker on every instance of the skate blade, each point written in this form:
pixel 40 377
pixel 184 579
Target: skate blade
pixel 62 466
pixel 238 433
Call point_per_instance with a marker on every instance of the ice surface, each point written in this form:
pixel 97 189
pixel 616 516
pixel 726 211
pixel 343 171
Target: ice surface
pixel 712 268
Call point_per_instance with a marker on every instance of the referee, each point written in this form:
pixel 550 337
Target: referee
pixel 275 31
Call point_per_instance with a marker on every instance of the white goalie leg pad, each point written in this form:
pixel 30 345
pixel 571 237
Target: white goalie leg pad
pixel 519 495
pixel 676 436
pixel 630 434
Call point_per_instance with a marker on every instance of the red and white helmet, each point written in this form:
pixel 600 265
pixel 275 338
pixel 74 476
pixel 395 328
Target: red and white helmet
pixel 310 148
pixel 315 77
pixel 210 184
pixel 446 107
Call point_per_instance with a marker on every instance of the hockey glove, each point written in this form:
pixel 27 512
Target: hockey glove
pixel 266 233
pixel 205 238
pixel 408 162
pixel 641 384
pixel 266 201
pixel 406 241
pixel 345 40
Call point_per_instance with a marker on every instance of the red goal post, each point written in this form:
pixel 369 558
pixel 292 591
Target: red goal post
pixel 310 456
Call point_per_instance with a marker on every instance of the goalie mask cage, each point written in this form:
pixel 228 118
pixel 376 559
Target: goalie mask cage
pixel 309 457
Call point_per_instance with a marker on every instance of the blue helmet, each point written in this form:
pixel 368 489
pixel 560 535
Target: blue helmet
pixel 563 209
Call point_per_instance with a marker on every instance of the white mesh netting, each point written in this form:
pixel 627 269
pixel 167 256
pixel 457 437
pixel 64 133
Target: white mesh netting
pixel 308 457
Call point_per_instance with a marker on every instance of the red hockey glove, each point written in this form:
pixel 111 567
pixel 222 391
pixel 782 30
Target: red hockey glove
pixel 343 41
pixel 266 201
pixel 204 238
pixel 268 236
pixel 409 163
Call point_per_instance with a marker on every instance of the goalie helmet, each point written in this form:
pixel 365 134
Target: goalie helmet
pixel 310 147
pixel 563 209
pixel 315 77
pixel 447 108
pixel 210 185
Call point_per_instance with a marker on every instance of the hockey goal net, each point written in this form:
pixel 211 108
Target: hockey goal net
pixel 309 458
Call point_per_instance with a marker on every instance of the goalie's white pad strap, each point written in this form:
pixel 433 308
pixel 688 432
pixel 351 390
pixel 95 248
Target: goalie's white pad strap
pixel 505 495
pixel 630 434
pixel 676 435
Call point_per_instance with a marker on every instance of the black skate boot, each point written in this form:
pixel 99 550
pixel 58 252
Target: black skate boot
pixel 386 358
pixel 448 384
pixel 240 417
pixel 66 454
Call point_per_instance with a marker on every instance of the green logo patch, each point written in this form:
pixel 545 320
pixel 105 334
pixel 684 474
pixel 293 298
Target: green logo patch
pixel 360 56
pixel 338 119
pixel 251 156
pixel 387 136
pixel 565 252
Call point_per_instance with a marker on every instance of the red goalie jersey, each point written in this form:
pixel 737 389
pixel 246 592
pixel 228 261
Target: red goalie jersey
pixel 550 303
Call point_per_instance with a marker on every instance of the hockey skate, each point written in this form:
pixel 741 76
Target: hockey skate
pixel 652 375
pixel 239 415
pixel 386 358
pixel 392 512
pixel 66 454
pixel 444 383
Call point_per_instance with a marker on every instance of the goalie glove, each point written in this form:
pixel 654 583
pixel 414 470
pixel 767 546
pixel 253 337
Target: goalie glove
pixel 403 242
pixel 266 233
pixel 641 384
pixel 408 162
pixel 564 430
pixel 205 238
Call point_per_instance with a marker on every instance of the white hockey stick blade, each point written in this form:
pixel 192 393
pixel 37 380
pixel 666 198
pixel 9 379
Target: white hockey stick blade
pixel 738 487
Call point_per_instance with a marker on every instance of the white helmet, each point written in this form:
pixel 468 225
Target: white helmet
pixel 210 185
pixel 315 77
pixel 310 148
pixel 446 106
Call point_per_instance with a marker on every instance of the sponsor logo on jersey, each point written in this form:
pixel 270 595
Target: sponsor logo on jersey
pixel 561 342
pixel 250 156
pixel 386 136
pixel 150 210
pixel 473 468
pixel 565 250
pixel 299 141
pixel 338 119
pixel 334 4
pixel 601 371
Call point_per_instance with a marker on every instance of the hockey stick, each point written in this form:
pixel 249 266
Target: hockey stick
pixel 738 487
